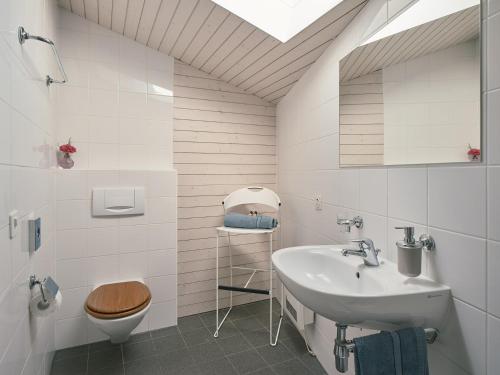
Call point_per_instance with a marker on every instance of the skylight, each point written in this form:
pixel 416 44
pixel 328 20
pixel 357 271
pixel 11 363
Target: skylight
pixel 421 12
pixel 281 19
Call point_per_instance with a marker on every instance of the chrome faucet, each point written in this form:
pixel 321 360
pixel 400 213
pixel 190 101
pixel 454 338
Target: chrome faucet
pixel 366 250
pixel 356 221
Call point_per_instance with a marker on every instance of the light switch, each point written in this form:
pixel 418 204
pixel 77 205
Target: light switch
pixel 13 224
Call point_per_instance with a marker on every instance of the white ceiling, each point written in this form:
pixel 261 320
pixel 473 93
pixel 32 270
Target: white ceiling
pixel 418 41
pixel 208 37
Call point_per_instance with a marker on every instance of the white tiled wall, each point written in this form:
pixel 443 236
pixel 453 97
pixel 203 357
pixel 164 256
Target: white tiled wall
pixel 117 104
pixel 91 251
pixel 458 205
pixel 117 108
pixel 26 182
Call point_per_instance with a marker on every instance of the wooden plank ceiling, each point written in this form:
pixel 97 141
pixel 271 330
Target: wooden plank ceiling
pixel 208 37
pixel 430 37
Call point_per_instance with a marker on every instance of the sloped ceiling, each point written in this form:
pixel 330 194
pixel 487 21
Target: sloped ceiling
pixel 419 41
pixel 208 37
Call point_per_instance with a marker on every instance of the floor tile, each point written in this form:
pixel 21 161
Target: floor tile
pixel 102 345
pixel 76 351
pixel 219 367
pixel 250 323
pixel 189 323
pixel 174 362
pixel 198 336
pixel 295 345
pixel 239 312
pixel 115 370
pixel 145 366
pixel 263 371
pixel 72 365
pixel 228 329
pixel 169 343
pixel 206 352
pixel 136 351
pixel 234 344
pixel 275 354
pixel 258 337
pixel 169 331
pixel 139 337
pixel 248 361
pixel 292 367
pixel 312 364
pixel 105 359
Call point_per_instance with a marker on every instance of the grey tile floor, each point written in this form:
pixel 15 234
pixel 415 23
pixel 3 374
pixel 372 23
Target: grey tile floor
pixel 190 349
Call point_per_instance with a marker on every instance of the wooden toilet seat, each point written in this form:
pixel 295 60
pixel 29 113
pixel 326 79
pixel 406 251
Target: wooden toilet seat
pixel 117 300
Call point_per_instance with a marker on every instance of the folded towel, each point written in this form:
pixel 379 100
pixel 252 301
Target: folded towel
pixel 235 220
pixel 403 352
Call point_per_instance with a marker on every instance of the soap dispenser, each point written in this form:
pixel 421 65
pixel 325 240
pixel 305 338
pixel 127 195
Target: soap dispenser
pixel 410 251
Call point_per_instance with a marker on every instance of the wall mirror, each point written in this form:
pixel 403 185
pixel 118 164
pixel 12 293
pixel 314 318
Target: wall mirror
pixel 411 94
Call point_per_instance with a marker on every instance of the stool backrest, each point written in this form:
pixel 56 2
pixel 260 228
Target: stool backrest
pixel 252 195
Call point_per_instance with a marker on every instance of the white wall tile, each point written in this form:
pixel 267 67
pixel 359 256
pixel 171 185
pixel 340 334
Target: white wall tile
pixel 73 302
pixel 102 241
pixel 493 6
pixel 373 191
pixel 71 332
pixel 493 345
pixel 162 210
pixel 407 194
pixel 457 199
pixel 133 266
pixel 72 273
pixel 163 288
pixel 493 278
pixel 163 314
pixel 162 236
pixel 162 262
pixel 492 128
pixel 455 256
pixel 71 184
pixel 71 243
pixel 493 55
pixel 103 269
pixel 494 203
pixel 72 214
pixel 133 238
pixel 463 337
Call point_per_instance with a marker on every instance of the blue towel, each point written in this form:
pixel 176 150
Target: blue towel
pixel 235 220
pixel 403 352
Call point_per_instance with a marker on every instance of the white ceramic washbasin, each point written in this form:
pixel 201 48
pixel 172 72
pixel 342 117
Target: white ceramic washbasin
pixel 343 289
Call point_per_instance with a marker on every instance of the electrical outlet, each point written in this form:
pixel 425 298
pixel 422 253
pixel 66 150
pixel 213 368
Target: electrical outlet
pixel 318 202
pixel 13 224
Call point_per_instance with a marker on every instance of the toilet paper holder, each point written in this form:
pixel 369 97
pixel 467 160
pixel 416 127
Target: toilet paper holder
pixel 47 285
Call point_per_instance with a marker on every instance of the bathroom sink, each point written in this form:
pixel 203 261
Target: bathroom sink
pixel 345 290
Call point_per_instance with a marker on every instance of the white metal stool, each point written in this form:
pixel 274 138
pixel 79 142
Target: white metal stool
pixel 248 196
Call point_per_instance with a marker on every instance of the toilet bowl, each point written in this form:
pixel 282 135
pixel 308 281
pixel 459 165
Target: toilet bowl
pixel 117 308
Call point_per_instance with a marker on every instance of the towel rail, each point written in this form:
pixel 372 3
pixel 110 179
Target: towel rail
pixel 343 346
pixel 23 35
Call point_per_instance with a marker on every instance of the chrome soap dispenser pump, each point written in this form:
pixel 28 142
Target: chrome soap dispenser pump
pixel 410 251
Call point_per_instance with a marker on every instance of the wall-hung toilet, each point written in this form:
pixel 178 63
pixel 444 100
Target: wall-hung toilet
pixel 117 308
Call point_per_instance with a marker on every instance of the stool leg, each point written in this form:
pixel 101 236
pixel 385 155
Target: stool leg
pixel 271 341
pixel 217 287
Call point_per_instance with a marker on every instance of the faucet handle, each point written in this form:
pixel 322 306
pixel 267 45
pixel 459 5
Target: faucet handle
pixel 364 241
pixel 409 234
